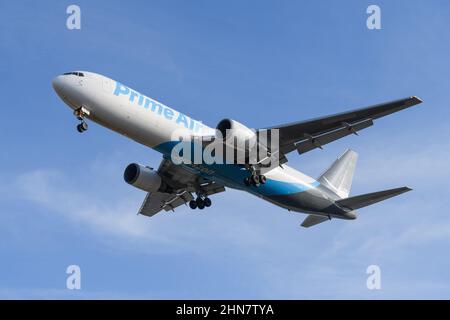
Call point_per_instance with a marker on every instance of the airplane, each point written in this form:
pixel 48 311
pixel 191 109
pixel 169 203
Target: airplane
pixel 119 108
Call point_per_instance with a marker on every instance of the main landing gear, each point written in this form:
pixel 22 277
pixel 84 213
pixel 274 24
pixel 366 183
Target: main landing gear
pixel 200 202
pixel 80 113
pixel 255 179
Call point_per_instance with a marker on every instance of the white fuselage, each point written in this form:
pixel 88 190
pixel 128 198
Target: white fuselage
pixel 153 124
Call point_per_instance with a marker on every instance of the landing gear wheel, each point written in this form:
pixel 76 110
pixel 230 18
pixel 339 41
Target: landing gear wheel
pixel 262 179
pixel 200 203
pixel 207 202
pixel 82 127
pixel 201 206
pixel 255 180
pixel 193 204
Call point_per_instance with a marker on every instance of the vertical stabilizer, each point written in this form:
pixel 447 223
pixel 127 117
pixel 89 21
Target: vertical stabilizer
pixel 338 178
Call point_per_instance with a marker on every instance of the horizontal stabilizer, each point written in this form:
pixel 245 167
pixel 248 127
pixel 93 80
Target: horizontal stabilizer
pixel 368 199
pixel 312 220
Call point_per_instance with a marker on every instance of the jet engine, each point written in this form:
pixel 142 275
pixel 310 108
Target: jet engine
pixel 236 135
pixel 142 177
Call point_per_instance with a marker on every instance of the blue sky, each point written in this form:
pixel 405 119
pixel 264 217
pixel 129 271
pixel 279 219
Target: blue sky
pixel 63 200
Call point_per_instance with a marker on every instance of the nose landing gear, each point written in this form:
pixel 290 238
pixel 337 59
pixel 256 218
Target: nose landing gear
pixel 82 127
pixel 81 113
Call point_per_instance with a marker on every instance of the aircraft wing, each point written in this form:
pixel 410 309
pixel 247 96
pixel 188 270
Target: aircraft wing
pixel 307 135
pixel 183 182
pixel 157 201
pixel 312 220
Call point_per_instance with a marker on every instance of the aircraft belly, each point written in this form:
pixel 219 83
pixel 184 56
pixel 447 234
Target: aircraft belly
pixel 287 188
pixel 310 201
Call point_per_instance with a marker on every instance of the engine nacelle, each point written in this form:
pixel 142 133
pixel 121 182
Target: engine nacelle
pixel 142 177
pixel 235 134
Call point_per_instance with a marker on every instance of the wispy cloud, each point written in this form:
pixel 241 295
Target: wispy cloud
pixel 114 217
pixel 328 261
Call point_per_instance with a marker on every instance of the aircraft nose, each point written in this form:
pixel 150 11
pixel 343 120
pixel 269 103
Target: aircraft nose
pixel 58 85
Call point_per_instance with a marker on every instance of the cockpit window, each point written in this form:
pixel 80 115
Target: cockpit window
pixel 78 74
